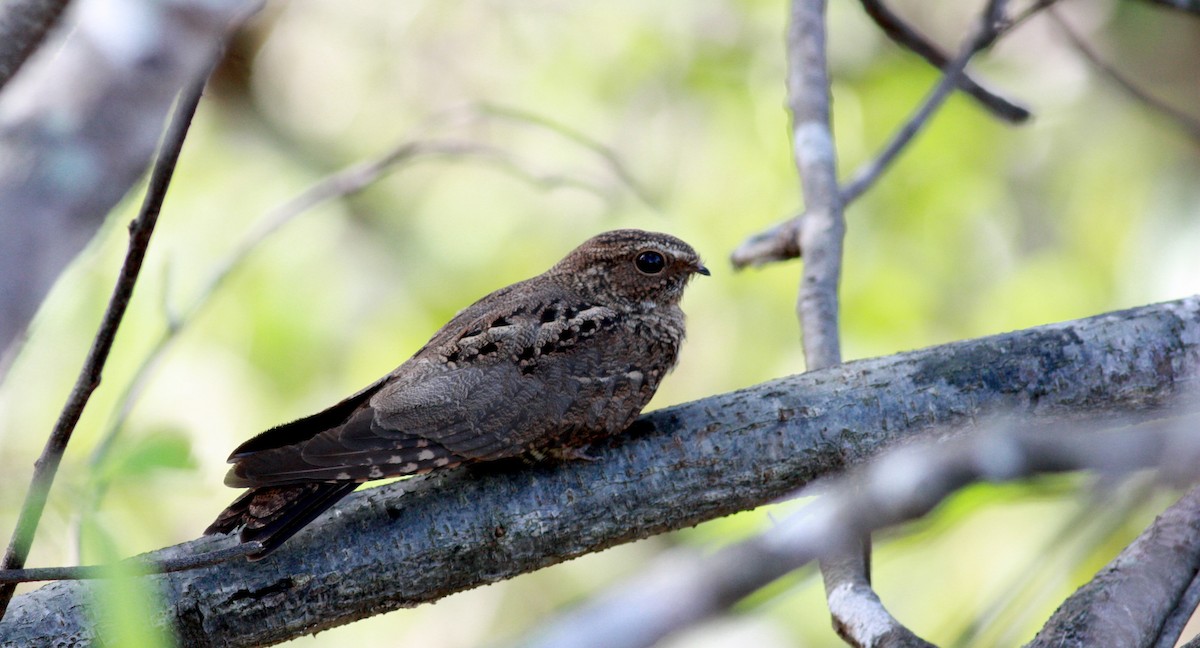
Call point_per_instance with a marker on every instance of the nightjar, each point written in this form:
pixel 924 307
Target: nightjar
pixel 538 369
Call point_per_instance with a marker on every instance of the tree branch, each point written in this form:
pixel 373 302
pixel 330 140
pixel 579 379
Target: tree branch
pixel 1127 603
pixel 780 242
pixel 1188 124
pixel 418 540
pixel 909 38
pixel 680 590
pixel 822 231
pixel 140 230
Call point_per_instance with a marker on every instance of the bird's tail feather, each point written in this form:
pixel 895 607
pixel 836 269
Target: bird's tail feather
pixel 272 514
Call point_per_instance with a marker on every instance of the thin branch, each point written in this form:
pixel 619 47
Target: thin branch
pixel 780 242
pixel 906 36
pixel 821 236
pixel 131 567
pixel 985 34
pixel 605 152
pixel 822 231
pixel 681 590
pixel 415 541
pixel 140 231
pixel 1189 124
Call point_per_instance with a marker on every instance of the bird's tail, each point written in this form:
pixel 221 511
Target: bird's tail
pixel 272 514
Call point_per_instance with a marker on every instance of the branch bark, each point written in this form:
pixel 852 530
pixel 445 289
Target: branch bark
pixel 1128 602
pixel 419 540
pixel 682 588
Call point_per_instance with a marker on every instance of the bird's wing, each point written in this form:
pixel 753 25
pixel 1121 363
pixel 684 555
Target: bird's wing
pixel 541 382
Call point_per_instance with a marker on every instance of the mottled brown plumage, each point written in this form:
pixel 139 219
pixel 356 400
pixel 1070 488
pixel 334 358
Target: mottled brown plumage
pixel 540 368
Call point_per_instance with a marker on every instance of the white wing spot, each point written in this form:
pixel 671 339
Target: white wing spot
pixel 425 455
pixel 441 462
pixel 408 467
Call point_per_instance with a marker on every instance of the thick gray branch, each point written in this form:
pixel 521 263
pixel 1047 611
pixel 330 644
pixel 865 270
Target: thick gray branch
pixel 683 588
pixel 417 541
pixel 79 124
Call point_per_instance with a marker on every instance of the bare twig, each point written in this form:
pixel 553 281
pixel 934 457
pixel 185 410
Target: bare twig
pixel 683 588
pixel 130 567
pixel 780 242
pixel 1184 121
pixel 984 36
pixel 89 376
pixel 606 153
pixel 908 37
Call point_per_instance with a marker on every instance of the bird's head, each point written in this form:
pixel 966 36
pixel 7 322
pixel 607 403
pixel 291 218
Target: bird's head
pixel 631 267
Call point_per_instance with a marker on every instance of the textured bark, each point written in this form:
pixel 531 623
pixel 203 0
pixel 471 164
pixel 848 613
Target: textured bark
pixel 79 124
pixel 1128 601
pixel 417 541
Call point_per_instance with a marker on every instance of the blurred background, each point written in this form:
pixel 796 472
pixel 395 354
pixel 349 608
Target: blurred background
pixel 593 116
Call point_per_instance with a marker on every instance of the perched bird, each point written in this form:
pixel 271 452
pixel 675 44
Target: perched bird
pixel 538 369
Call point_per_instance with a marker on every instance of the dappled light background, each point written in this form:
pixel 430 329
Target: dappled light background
pixel 593 116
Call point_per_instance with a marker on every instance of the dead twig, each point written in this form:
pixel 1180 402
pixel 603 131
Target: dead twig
pixel 131 567
pixel 140 231
pixel 909 38
pixel 1187 123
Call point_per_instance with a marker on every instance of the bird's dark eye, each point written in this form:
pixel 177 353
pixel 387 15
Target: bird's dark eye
pixel 650 262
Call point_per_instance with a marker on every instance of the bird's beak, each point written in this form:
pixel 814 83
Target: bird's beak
pixel 700 269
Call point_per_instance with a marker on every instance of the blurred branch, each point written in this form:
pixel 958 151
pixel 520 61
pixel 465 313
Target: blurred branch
pixel 1127 603
pixel 606 153
pixel 1189 124
pixel 140 230
pixel 79 125
pixel 683 589
pixel 781 242
pixel 131 567
pixel 419 540
pixel 821 235
pixel 906 36
pixel 23 26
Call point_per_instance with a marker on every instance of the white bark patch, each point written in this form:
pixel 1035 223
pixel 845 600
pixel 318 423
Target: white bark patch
pixel 865 617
